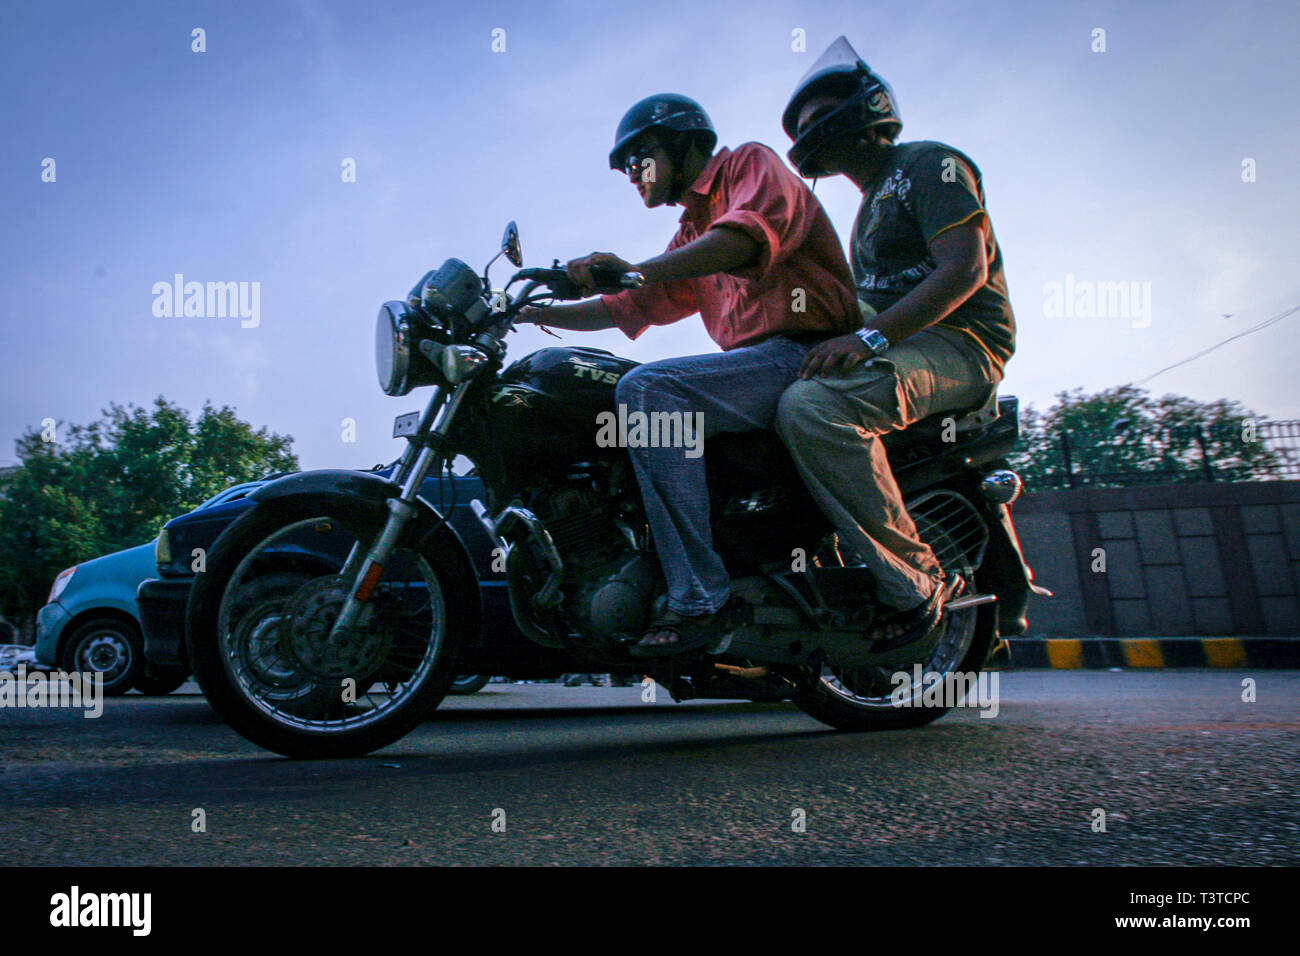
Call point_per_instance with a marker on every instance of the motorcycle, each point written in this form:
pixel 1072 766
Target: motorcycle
pixel 331 618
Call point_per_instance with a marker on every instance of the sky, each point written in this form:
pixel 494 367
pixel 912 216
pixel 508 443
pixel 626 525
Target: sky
pixel 1163 152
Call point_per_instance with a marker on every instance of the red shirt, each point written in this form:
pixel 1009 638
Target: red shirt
pixel 750 189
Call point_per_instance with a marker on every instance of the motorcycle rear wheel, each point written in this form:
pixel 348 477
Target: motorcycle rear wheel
pixel 276 680
pixel 869 698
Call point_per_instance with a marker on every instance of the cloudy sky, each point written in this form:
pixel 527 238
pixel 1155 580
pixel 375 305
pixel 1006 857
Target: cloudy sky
pixel 1115 156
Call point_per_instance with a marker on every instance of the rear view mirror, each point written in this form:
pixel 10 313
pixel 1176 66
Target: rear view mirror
pixel 510 245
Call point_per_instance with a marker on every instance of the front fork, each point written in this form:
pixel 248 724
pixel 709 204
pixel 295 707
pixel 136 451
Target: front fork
pixel 365 567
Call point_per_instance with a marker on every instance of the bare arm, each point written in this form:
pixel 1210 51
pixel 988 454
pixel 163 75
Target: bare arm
pixel 589 316
pixel 961 267
pixel 718 250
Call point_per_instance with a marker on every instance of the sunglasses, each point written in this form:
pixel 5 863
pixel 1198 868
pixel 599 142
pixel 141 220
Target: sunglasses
pixel 634 160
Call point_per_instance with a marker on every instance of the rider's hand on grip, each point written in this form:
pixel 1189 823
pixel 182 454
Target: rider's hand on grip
pixel 616 280
pixel 597 272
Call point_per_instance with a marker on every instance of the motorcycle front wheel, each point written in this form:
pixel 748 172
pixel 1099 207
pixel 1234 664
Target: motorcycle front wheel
pixel 259 622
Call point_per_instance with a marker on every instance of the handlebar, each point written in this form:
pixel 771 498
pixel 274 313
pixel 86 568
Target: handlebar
pixel 556 281
pixel 608 281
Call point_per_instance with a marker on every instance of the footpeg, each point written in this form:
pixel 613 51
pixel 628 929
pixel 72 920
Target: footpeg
pixel 971 600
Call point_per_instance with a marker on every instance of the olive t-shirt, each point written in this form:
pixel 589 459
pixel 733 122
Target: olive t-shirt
pixel 924 189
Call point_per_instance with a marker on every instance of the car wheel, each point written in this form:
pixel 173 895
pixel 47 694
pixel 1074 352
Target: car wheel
pixel 111 646
pixel 159 683
pixel 469 683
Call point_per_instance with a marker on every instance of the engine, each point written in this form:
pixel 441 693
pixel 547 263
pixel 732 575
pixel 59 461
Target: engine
pixel 609 583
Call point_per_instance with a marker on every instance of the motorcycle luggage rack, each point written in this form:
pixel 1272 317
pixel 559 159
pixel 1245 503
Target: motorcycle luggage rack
pixel 952 514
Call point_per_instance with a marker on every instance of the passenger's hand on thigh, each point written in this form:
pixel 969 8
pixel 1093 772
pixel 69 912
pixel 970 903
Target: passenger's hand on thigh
pixel 835 356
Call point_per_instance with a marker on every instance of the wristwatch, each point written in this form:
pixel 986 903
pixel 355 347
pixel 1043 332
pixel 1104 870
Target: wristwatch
pixel 874 340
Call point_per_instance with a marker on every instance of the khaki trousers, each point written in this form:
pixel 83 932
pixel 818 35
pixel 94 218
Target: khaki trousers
pixel 831 425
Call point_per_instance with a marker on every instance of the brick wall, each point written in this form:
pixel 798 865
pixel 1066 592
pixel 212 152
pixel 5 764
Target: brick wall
pixel 1187 559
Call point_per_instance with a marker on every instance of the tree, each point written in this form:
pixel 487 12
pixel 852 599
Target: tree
pixel 1124 436
pixel 113 483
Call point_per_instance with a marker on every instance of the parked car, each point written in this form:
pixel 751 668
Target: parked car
pixel 469 684
pixel 91 621
pixel 14 656
pixel 184 541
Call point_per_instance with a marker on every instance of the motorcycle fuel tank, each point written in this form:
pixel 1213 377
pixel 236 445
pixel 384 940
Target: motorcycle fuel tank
pixel 551 398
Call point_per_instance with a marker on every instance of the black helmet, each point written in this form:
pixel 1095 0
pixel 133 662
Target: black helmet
pixel 868 101
pixel 670 111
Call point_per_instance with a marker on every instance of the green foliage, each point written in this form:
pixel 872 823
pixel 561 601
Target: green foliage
pixel 113 483
pixel 1124 436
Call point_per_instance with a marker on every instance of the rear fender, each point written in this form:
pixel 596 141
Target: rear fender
pixel 1005 573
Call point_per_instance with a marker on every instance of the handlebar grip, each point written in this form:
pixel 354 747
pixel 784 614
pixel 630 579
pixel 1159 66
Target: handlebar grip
pixel 607 281
pixel 612 279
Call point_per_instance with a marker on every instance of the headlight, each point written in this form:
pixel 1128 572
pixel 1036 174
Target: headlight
pixel 399 367
pixel 162 549
pixel 392 348
pixel 60 583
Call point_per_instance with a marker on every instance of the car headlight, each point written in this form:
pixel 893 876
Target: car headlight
pixel 61 583
pixel 162 549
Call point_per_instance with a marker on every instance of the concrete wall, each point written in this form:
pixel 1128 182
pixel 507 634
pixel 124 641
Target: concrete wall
pixel 1187 559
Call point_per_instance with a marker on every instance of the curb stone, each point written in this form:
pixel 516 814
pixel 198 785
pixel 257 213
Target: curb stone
pixel 1101 653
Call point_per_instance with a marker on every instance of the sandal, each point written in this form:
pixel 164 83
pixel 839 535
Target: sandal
pixel 690 633
pixel 919 621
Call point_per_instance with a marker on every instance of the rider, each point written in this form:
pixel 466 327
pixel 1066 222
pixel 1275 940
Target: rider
pixel 939 327
pixel 756 255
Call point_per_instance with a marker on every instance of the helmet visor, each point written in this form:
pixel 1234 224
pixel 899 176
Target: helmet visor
pixel 839 125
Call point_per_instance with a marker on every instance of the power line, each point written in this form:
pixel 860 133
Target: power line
pixel 1250 331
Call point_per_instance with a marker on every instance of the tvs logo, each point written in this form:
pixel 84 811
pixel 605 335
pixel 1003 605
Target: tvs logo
pixel 593 371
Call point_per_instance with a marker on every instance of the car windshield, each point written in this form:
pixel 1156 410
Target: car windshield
pixel 230 494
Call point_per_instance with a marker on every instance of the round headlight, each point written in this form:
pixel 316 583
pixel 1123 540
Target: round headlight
pixel 393 348
pixel 398 362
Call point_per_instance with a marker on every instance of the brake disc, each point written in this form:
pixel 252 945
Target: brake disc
pixel 306 638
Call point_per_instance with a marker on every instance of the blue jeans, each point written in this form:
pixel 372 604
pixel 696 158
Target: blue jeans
pixel 736 391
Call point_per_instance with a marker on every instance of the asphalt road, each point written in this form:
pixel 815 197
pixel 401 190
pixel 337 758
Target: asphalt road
pixel 1186 772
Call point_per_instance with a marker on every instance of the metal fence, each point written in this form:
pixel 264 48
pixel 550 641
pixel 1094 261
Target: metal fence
pixel 1253 451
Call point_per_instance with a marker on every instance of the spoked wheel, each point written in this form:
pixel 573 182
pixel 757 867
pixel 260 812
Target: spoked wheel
pixel 261 642
pixel 876 698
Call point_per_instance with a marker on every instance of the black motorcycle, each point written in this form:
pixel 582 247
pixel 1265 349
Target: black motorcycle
pixel 331 618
